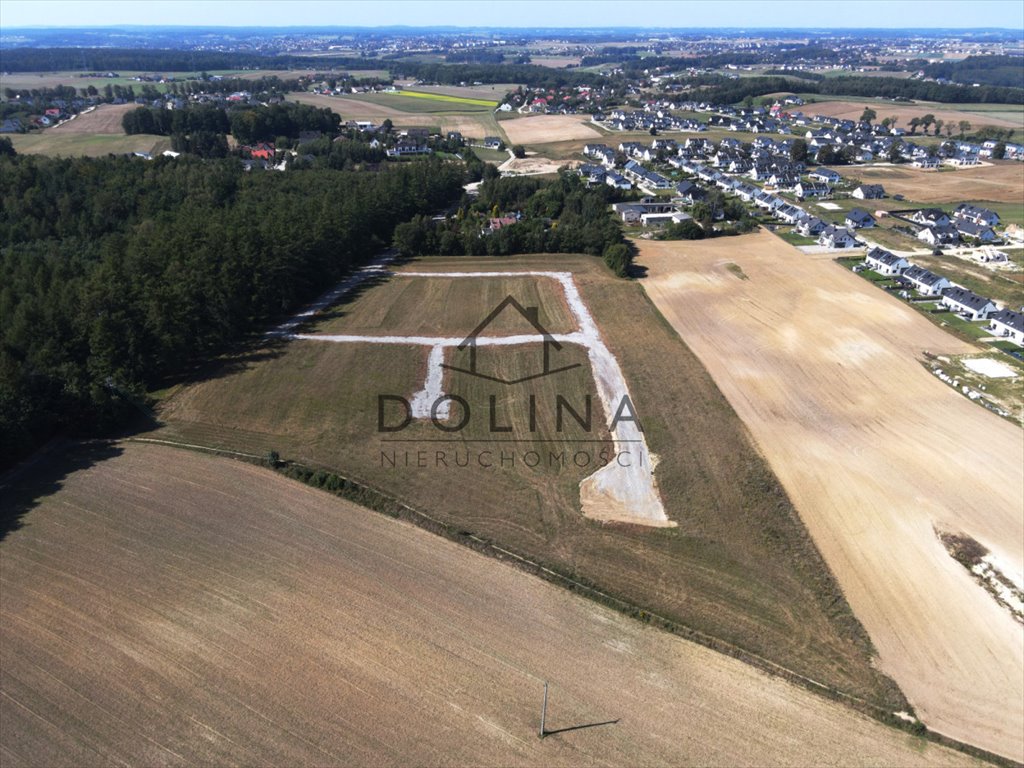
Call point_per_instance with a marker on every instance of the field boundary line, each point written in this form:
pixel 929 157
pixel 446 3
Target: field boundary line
pixel 357 491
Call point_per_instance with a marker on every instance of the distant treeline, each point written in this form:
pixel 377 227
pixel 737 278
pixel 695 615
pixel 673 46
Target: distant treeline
pixel 723 90
pixel 1007 71
pixel 530 74
pixel 156 60
pixel 116 273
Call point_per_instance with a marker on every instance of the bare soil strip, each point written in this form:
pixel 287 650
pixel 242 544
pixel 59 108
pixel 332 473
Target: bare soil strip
pixel 876 453
pixel 167 607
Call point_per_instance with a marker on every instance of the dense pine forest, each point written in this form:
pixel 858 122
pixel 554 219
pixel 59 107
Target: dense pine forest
pixel 116 273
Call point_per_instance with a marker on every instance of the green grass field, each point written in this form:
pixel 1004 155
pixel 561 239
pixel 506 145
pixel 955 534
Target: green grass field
pixel 738 567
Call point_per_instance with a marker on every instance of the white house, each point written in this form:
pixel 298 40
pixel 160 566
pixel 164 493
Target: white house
pixel 970 305
pixel 810 189
pixel 924 282
pixel 811 226
pixel 945 235
pixel 1008 324
pixel 983 216
pixel 825 175
pixel 926 163
pixel 931 217
pixel 885 263
pixel 869 192
pixel 837 237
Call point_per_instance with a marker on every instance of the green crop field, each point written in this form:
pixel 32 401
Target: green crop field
pixel 738 567
pixel 428 103
pixel 451 99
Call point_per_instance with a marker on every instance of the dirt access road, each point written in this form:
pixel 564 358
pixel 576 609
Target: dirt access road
pixel 874 451
pixel 166 607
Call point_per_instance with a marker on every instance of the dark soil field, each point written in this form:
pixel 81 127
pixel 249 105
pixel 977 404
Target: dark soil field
pixel 165 607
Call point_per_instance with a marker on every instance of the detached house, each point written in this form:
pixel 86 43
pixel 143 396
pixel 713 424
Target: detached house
pixel 931 217
pixel 924 282
pixel 824 175
pixel 967 212
pixel 869 192
pixel 939 235
pixel 811 226
pixel 1008 324
pixel 979 233
pixel 836 237
pixel 970 305
pixel 858 219
pixel 885 263
pixel 810 189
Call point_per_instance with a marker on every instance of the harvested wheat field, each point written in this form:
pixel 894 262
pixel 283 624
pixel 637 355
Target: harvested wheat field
pixel 540 129
pixel 471 126
pixel 852 110
pixel 999 182
pixel 824 370
pixel 167 607
pixel 105 119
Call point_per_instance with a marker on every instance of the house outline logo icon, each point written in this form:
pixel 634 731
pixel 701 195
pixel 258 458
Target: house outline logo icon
pixel 532 316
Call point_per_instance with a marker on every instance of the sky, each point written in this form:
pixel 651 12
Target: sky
pixel 519 13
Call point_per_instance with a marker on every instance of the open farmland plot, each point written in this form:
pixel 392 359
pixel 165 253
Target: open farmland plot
pixel 384 310
pixel 104 119
pixel 1001 181
pixel 876 454
pixel 541 129
pixel 1006 117
pixel 738 566
pixel 55 143
pixel 166 607
pixel 476 124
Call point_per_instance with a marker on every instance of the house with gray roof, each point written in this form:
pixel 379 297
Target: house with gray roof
pixel 859 219
pixel 925 282
pixel 967 303
pixel 886 263
pixel 1008 324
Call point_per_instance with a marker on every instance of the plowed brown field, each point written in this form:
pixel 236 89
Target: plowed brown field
pixel 171 608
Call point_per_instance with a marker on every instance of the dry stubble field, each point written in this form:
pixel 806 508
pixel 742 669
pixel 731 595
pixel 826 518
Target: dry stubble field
pixel 852 110
pixel 824 370
pixel 1000 182
pixel 165 607
pixel 739 566
pixel 541 129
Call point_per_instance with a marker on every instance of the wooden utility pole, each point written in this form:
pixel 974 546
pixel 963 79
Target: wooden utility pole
pixel 544 712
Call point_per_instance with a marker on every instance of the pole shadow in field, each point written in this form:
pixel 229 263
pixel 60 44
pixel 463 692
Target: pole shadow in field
pixel 553 731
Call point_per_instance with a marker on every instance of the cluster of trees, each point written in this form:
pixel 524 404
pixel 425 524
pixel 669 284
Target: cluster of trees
pixel 115 274
pixel 715 207
pixel 200 128
pixel 167 122
pixel 555 216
